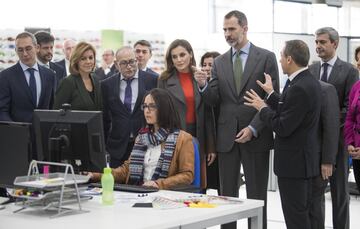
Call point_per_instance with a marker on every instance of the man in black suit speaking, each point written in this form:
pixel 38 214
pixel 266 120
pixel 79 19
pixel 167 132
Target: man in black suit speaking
pixel 294 117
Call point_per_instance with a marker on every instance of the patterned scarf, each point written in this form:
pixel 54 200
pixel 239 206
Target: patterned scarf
pixel 147 138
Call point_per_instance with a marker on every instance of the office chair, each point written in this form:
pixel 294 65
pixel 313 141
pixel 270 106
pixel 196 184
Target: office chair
pixel 194 187
pixel 197 177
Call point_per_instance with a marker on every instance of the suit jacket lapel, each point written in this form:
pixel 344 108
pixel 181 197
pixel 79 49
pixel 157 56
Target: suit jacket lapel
pixel 175 88
pixel 83 92
pixel 250 66
pixel 96 90
pixel 317 68
pixel 117 82
pixel 335 71
pixel 141 91
pixel 229 72
pixel 44 85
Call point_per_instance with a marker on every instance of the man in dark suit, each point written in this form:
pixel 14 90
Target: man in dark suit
pixel 328 139
pixel 108 67
pixel 143 52
pixel 26 85
pixel 242 137
pixel 68 47
pixel 45 54
pixel 122 96
pixel 342 75
pixel 294 117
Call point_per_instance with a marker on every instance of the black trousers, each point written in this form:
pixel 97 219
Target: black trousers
pixel 296 195
pixel 317 209
pixel 340 190
pixel 356 168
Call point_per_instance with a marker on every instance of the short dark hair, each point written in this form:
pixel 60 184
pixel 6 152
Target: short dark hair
pixel 43 37
pixel 144 43
pixel 25 35
pixel 299 52
pixel 167 116
pixel 213 54
pixel 169 65
pixel 242 20
pixel 357 50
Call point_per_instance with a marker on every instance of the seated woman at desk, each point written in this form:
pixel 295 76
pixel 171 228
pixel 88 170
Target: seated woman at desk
pixel 163 155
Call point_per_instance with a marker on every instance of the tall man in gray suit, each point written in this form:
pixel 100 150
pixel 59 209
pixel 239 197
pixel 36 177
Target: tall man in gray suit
pixel 342 75
pixel 242 137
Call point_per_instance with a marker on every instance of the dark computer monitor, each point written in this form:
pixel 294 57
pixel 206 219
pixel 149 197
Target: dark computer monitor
pixel 14 151
pixel 74 137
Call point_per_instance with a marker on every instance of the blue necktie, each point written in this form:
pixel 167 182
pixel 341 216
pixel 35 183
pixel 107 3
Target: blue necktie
pixel 287 84
pixel 32 85
pixel 128 94
pixel 325 73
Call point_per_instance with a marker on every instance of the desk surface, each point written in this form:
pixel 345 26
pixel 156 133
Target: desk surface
pixel 121 214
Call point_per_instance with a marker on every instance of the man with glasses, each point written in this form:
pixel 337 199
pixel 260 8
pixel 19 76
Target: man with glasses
pixel 108 67
pixel 26 85
pixel 143 53
pixel 122 97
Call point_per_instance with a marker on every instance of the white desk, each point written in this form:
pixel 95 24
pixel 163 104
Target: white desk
pixel 122 215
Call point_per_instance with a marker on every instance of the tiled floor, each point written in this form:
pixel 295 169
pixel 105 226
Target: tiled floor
pixel 276 219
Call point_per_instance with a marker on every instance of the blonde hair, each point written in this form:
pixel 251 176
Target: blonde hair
pixel 76 55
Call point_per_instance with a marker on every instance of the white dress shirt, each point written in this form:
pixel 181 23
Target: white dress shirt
pixel 151 159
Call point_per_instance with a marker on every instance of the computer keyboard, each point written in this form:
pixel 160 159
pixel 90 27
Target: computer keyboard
pixel 129 188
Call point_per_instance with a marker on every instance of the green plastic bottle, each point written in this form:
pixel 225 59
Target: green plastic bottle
pixel 107 183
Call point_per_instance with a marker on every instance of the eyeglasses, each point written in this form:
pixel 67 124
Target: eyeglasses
pixel 150 106
pixel 125 63
pixel 27 49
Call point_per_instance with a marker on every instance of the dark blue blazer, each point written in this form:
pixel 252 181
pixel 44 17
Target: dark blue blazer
pixel 62 64
pixel 60 73
pixel 15 95
pixel 119 123
pixel 153 72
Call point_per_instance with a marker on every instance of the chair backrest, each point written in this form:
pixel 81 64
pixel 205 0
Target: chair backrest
pixel 197 179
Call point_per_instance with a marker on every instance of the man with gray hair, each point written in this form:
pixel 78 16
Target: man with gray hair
pixel 122 96
pixel 68 47
pixel 342 75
